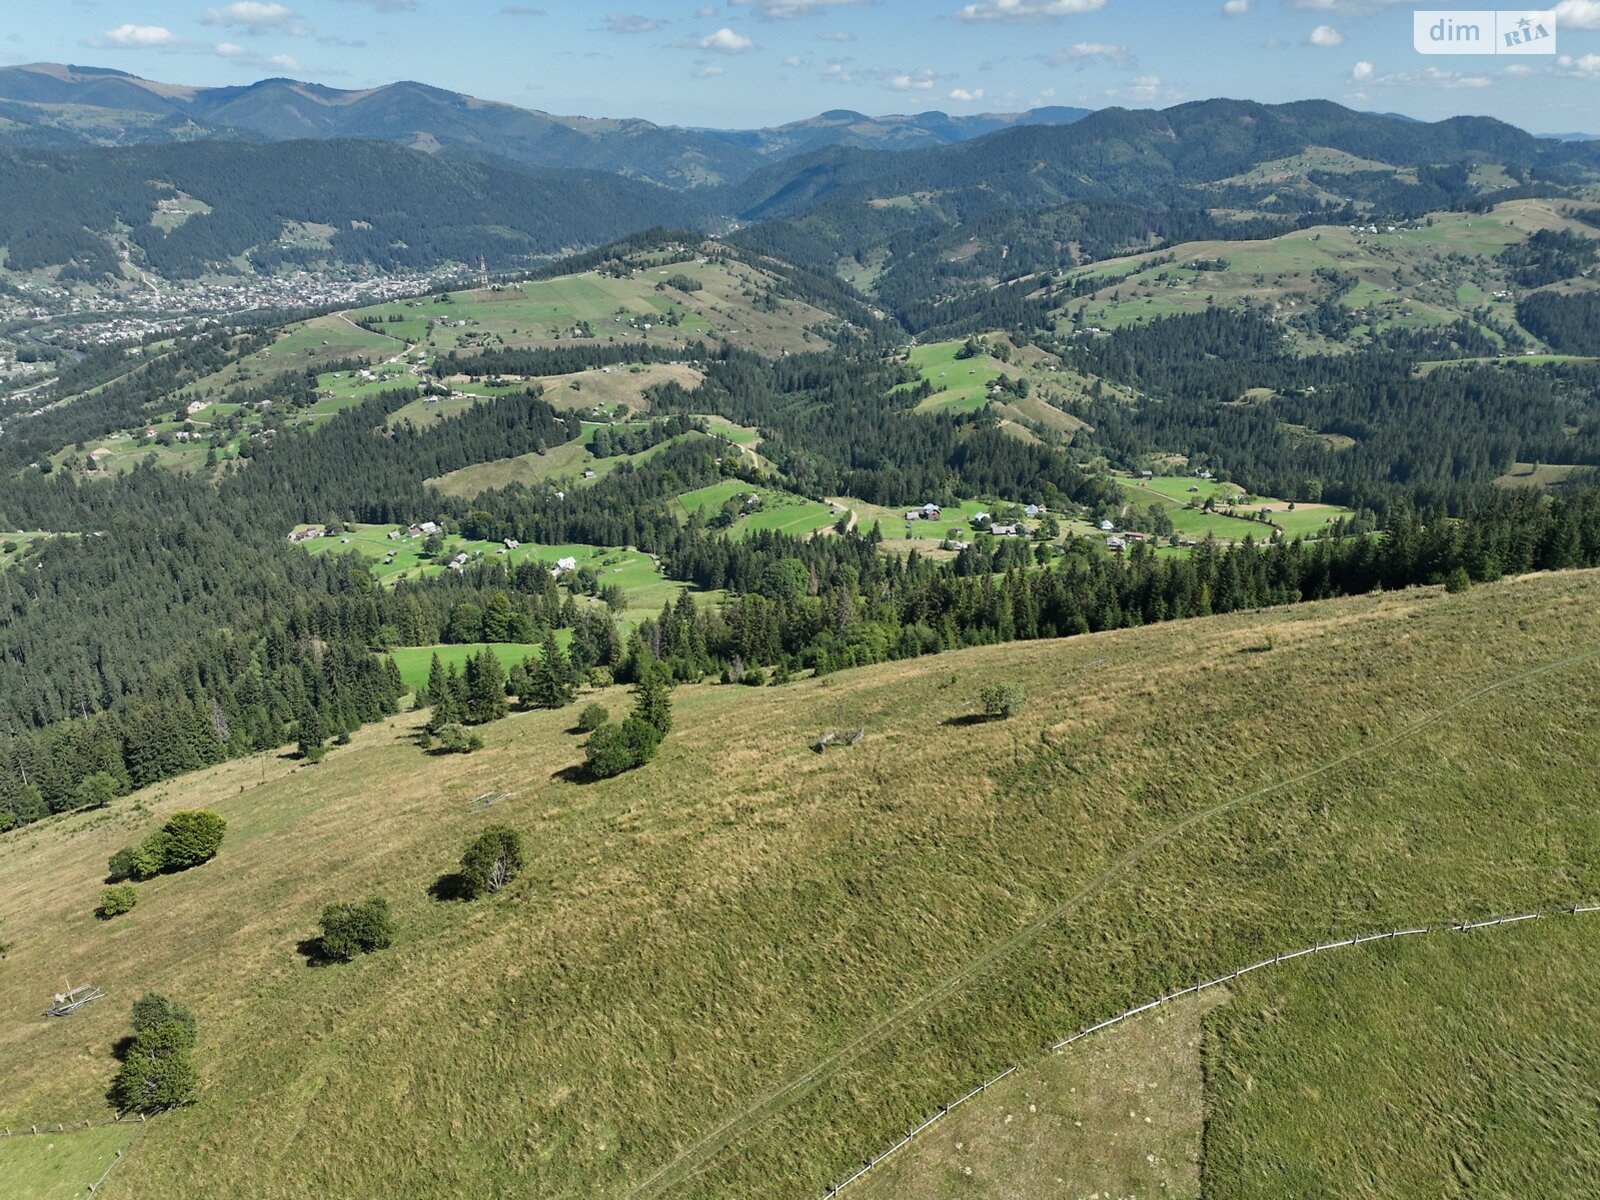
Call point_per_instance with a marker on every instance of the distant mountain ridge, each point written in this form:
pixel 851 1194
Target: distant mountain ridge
pixel 429 118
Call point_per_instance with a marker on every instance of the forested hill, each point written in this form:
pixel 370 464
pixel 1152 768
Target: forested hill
pixel 286 202
pixel 1159 157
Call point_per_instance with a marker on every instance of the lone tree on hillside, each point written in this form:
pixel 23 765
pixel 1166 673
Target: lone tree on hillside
pixel 193 837
pixel 1001 700
pixel 158 1071
pixel 352 929
pixel 491 862
pixel 116 900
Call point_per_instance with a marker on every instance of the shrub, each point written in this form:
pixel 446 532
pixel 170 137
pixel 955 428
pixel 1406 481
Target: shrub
pixel 193 837
pixel 150 856
pixel 352 929
pixel 1001 700
pixel 1457 581
pixel 158 1072
pixel 121 865
pixel 456 739
pixel 116 900
pixel 592 717
pixel 492 861
pixel 613 749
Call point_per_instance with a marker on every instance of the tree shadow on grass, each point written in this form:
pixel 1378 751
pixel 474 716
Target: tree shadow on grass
pixel 448 887
pixel 577 773
pixel 962 722
pixel 311 950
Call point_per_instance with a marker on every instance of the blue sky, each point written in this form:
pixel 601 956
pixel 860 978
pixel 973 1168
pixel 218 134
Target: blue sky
pixel 741 63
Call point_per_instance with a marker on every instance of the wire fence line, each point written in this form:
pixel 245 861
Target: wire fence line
pixel 74 1126
pixel 1056 1047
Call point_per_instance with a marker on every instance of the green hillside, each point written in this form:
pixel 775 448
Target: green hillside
pixel 743 967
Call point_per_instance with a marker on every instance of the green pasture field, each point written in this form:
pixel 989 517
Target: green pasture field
pixel 62 1165
pixel 415 662
pixel 746 966
pixel 780 510
pixel 1172 491
pixel 23 541
pixel 545 312
pixel 567 462
pixel 962 385
pixel 1446 269
pixel 1545 475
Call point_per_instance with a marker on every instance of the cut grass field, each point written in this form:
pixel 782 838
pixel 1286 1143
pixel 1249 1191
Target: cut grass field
pixel 741 968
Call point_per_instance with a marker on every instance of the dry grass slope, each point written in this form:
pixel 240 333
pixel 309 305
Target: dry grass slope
pixel 738 970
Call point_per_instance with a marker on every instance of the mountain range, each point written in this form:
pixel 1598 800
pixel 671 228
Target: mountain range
pixel 99 169
pixel 55 105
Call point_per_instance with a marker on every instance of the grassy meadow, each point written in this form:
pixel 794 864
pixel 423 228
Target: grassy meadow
pixel 1234 516
pixel 1422 274
pixel 741 968
pixel 414 662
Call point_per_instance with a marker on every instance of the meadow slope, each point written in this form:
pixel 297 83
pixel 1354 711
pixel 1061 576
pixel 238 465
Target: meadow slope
pixel 743 967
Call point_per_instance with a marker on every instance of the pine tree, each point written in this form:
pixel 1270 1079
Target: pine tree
pixel 486 688
pixel 651 703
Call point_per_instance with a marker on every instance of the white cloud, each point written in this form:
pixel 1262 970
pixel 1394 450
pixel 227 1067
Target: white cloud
pixel 1349 8
pixel 1362 72
pixel 137 37
pixel 1084 53
pixel 1429 77
pixel 1146 89
pixel 1587 67
pixel 794 60
pixel 726 41
pixel 250 15
pixel 788 10
pixel 620 22
pixel 1025 12
pixel 961 95
pixel 708 72
pixel 836 36
pixel 705 12
pixel 283 62
pixel 912 81
pixel 1326 36
pixel 1236 8
pixel 1577 14
pixel 229 50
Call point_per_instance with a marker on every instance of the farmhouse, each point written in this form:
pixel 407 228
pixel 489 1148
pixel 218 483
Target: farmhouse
pixel 1106 526
pixel 306 535
pixel 563 565
pixel 512 543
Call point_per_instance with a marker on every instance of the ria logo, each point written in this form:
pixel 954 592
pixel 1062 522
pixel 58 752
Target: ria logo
pixel 1472 31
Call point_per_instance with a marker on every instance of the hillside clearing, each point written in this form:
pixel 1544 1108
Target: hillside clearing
pixel 743 967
